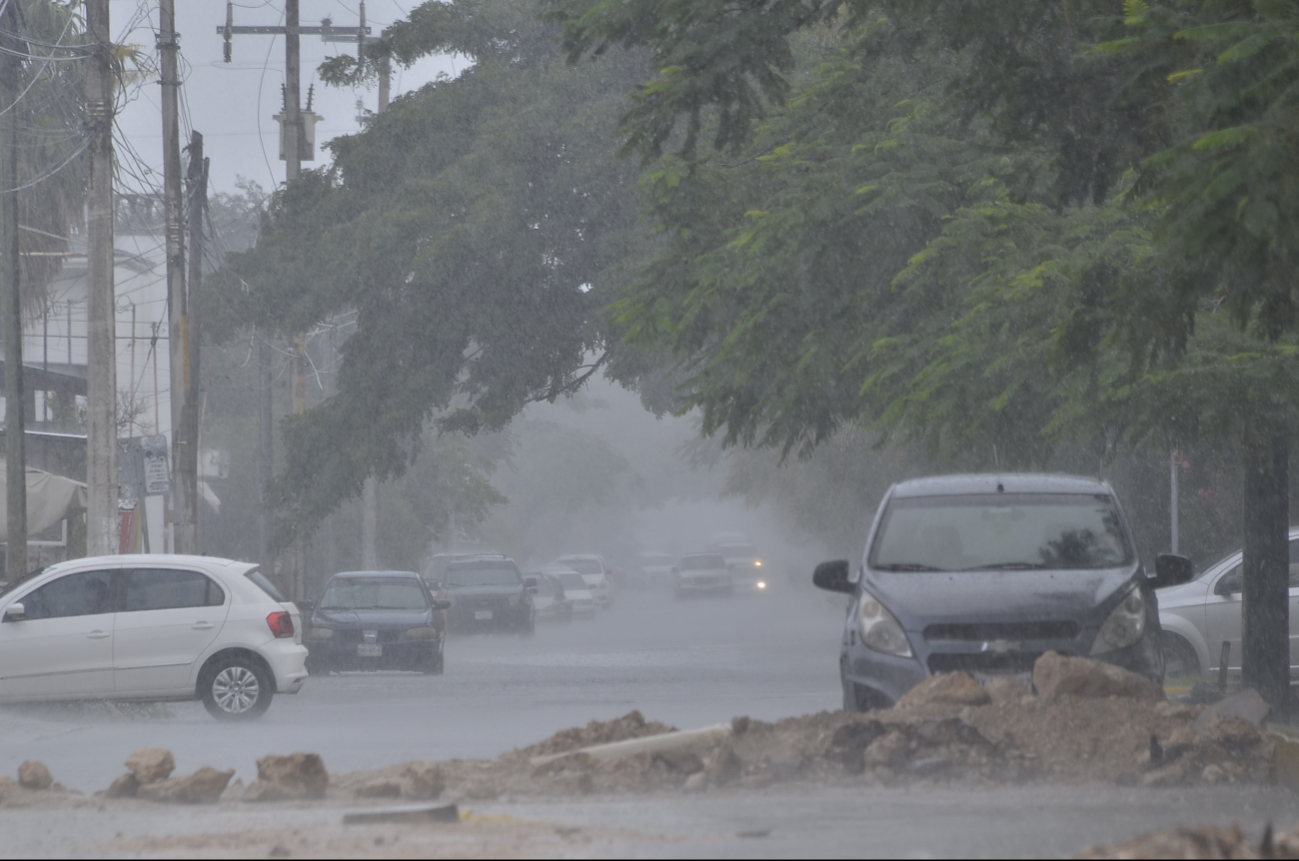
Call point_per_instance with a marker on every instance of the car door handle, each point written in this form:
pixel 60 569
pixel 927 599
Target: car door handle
pixel 98 635
pixel 203 626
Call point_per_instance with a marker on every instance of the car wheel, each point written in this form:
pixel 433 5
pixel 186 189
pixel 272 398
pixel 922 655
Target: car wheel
pixel 1179 657
pixel 435 666
pixel 530 628
pixel 859 698
pixel 237 687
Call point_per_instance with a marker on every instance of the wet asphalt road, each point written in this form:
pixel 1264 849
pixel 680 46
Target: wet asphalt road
pixel 689 664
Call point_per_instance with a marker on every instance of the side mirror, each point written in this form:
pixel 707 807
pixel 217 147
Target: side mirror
pixel 530 582
pixel 833 577
pixel 1171 570
pixel 1230 584
pixel 15 613
pixel 441 605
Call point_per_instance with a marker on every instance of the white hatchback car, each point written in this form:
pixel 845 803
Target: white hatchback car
pixel 148 628
pixel 1199 616
pixel 702 573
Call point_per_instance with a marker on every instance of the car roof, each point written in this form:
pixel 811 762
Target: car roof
pixel 993 482
pixel 388 574
pixel 707 554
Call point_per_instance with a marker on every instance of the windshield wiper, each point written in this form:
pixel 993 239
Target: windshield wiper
pixel 907 566
pixel 1010 566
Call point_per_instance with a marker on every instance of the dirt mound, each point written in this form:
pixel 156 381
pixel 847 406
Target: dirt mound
pixel 629 726
pixel 1207 842
pixel 1105 728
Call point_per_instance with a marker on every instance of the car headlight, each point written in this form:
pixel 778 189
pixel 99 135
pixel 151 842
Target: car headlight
pixel 320 633
pixel 762 585
pixel 422 634
pixel 1125 625
pixel 757 563
pixel 880 630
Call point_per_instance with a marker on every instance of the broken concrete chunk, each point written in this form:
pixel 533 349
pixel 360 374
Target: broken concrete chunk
pixel 151 764
pixel 125 786
pixel 202 787
pixel 1246 705
pixel 34 775
pixel 298 775
pixel 946 688
pixel 422 780
pixel 379 789
pixel 1055 675
pixel 447 813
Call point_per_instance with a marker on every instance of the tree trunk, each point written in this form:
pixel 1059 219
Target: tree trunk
pixel 1265 622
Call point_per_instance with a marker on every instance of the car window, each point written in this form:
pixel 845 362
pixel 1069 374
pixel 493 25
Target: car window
pixel 170 589
pixel 573 582
pixel 545 586
pixel 374 593
pixel 265 585
pixel 483 573
pixel 21 581
pixel 702 563
pixel 1001 531
pixel 88 593
pixel 584 566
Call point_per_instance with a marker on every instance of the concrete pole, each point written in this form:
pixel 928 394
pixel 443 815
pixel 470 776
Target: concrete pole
pixel 184 457
pixel 196 190
pixel 101 356
pixel 11 302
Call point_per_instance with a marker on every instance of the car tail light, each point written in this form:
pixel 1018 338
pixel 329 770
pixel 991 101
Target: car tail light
pixel 281 624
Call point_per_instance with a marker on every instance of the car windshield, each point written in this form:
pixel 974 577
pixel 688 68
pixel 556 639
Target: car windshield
pixel 572 582
pixel 461 574
pixel 374 593
pixel 1000 531
pixel 738 551
pixel 584 566
pixel 701 563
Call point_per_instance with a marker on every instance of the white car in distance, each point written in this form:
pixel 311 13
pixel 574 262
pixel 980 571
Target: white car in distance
pixel 150 628
pixel 702 573
pixel 594 572
pixel 579 594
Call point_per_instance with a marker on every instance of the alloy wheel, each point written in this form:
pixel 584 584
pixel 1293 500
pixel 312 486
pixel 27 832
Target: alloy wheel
pixel 236 690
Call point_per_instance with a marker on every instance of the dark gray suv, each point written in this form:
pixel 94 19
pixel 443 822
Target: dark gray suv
pixel 985 573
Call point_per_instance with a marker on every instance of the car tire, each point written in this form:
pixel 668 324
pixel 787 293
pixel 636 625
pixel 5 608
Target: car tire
pixel 1180 658
pixel 859 698
pixel 236 687
pixel 530 628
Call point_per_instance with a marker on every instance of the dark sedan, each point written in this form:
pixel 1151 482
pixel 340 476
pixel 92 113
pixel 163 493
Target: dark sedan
pixel 375 620
pixel 489 594
pixel 984 574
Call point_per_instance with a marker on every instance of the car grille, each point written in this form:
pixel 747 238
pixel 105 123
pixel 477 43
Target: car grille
pixel 482 603
pixel 1015 631
pixel 1007 664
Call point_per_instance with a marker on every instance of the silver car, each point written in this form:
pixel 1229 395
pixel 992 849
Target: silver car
pixel 1199 616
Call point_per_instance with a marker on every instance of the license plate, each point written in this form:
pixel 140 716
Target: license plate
pixel 369 650
pixel 479 615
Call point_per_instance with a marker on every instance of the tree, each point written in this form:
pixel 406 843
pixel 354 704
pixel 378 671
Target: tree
pixel 471 227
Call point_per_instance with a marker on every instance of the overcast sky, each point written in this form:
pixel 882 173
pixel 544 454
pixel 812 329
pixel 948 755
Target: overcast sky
pixel 231 104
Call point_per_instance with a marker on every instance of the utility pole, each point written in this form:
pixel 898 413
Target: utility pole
pixel 293 136
pixel 196 194
pixel 184 456
pixel 11 66
pixel 101 353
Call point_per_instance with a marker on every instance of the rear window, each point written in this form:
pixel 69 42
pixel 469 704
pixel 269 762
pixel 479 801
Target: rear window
pixel 572 582
pixel 1001 531
pixel 702 563
pixel 265 584
pixel 483 572
pixel 374 593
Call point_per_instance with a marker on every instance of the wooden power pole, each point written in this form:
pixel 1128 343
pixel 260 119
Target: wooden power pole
pixel 101 353
pixel 11 66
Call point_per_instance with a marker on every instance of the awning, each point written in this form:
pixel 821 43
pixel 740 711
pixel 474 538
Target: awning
pixel 50 499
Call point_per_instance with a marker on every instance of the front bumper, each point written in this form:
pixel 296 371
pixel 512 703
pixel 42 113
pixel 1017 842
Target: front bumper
pixel 721 583
pixel 409 654
pixel 892 676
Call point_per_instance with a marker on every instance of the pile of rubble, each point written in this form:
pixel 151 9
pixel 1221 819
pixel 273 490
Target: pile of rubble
pixel 1207 842
pixel 1082 722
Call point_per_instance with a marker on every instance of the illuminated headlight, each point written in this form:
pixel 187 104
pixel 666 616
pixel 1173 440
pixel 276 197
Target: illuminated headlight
pixel 1125 625
pixel 422 634
pixel 320 634
pixel 757 563
pixel 880 630
pixel 762 585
